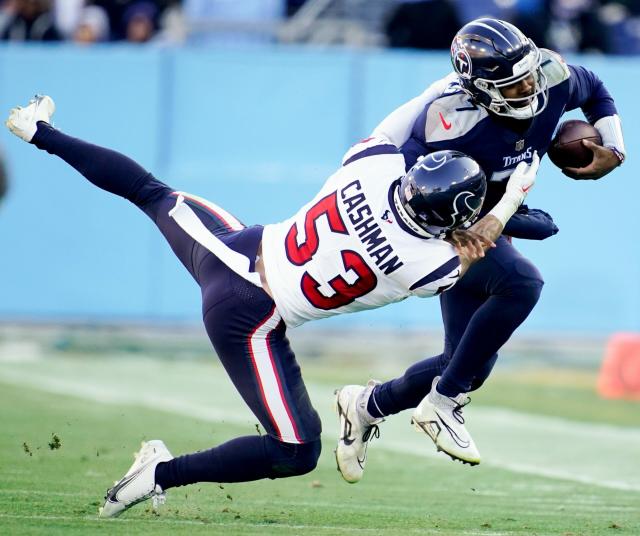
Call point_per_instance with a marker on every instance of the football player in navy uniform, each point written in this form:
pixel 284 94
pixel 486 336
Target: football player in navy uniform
pixel 373 235
pixel 500 106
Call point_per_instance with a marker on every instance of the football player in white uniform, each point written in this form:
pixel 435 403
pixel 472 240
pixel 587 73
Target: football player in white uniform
pixel 373 235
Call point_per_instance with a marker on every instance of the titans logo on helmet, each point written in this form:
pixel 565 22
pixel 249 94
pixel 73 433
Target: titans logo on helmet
pixel 461 58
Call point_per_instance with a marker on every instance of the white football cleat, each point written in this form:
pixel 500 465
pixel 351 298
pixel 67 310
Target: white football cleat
pixel 357 429
pixel 139 482
pixel 440 417
pixel 23 122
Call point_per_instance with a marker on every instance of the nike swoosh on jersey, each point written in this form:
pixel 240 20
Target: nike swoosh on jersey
pixel 446 125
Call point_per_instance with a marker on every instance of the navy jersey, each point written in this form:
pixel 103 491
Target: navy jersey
pixel 452 121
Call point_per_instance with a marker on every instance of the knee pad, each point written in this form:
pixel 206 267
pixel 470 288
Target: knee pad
pixel 292 459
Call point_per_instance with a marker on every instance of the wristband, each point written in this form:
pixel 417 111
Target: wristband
pixel 619 154
pixel 504 209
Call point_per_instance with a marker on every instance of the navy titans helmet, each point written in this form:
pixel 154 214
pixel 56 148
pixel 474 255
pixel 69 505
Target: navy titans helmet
pixel 443 191
pixel 490 54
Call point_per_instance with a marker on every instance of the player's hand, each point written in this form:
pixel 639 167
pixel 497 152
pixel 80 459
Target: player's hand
pixel 469 245
pixel 522 179
pixel 604 161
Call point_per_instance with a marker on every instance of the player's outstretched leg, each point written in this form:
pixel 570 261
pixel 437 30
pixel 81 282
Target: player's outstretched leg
pixel 357 429
pixel 139 482
pixel 109 170
pixel 440 417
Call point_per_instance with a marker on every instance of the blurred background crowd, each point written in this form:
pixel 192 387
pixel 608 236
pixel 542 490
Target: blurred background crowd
pixel 601 26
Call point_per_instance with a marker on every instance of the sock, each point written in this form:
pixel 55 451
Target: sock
pixel 105 168
pixel 240 460
pixel 372 406
pixel 407 391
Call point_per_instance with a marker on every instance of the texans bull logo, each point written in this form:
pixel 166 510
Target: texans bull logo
pixel 462 200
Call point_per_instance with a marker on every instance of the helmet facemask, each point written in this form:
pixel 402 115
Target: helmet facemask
pixel 519 107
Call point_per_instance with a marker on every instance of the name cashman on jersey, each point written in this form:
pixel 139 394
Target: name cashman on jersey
pixel 368 229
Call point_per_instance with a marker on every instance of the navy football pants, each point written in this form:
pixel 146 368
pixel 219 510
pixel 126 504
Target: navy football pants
pixel 241 320
pixel 480 313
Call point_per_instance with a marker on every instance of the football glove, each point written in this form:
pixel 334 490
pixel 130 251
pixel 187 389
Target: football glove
pixel 522 179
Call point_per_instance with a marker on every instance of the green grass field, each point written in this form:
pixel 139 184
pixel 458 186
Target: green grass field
pixel 556 460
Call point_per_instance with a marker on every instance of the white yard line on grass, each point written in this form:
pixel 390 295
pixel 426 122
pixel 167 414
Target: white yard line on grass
pixel 278 526
pixel 9 491
pixel 561 449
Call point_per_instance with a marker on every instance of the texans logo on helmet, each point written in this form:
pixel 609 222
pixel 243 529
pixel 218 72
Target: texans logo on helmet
pixel 465 197
pixel 433 159
pixel 461 58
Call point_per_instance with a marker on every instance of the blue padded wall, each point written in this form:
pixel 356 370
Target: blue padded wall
pixel 257 131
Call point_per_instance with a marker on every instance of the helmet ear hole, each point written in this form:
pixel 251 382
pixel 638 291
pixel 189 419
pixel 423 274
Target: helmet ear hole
pixel 443 191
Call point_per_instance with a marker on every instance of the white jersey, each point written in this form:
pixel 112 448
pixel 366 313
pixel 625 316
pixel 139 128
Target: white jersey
pixel 349 248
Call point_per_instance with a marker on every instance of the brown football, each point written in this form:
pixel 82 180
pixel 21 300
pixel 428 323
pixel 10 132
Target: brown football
pixel 566 149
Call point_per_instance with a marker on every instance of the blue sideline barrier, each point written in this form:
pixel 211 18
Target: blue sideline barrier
pixel 257 131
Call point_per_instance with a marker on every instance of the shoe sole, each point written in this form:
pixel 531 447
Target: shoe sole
pixel 425 429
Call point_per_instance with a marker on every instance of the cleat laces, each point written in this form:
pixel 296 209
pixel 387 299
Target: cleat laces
pixel 457 410
pixel 373 431
pixel 370 433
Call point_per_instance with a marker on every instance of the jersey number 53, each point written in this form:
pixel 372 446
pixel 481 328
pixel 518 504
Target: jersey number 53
pixel 301 254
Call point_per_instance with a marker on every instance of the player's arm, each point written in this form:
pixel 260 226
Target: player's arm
pixel 371 146
pixel 469 244
pixel 586 91
pixel 482 234
pixel 397 126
